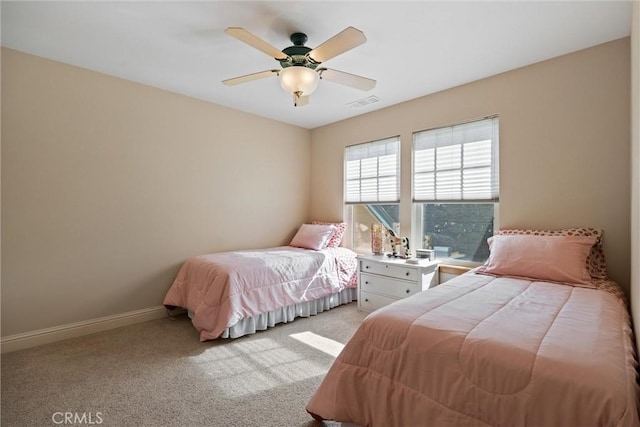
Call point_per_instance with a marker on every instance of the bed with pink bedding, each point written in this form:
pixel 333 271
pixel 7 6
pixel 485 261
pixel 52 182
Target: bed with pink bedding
pixel 487 349
pixel 232 294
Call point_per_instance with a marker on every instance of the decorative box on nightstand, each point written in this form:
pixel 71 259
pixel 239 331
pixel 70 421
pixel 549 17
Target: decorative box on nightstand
pixel 383 280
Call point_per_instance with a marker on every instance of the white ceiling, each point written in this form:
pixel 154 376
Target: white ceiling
pixel 413 48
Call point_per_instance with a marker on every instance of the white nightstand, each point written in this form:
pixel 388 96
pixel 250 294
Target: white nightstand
pixel 383 280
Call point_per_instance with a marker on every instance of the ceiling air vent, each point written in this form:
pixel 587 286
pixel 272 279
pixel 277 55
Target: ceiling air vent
pixel 364 101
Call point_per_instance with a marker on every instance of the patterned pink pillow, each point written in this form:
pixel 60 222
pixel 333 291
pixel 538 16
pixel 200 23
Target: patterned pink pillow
pixel 338 233
pixel 595 261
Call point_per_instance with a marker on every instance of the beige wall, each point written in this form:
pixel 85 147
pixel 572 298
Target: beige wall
pixel 108 185
pixel 635 174
pixel 564 145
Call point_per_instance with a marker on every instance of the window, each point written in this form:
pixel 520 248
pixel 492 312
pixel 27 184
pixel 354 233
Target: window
pixel 456 189
pixel 372 189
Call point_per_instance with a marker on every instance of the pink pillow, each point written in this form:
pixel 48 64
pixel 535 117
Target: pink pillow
pixel 558 259
pixel 596 262
pixel 338 233
pixel 312 236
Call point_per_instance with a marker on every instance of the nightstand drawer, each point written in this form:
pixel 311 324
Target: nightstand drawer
pixel 371 302
pixel 388 286
pixel 397 271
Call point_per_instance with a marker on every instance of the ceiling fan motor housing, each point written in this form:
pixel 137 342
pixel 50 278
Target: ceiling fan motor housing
pixel 298 53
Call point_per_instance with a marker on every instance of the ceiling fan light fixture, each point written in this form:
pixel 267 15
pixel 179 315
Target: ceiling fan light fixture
pixel 299 79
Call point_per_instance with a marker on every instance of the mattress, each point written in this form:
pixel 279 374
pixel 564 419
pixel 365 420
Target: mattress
pixel 488 351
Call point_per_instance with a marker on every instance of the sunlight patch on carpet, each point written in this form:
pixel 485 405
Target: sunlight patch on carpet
pixel 326 345
pixel 244 368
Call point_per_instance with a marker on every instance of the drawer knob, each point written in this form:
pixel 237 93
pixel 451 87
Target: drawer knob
pixel 366 283
pixel 407 273
pixel 366 266
pixel 366 300
pixel 408 290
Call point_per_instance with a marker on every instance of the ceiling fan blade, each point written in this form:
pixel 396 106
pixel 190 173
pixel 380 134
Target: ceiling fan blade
pixel 343 41
pixel 300 101
pixel 256 42
pixel 250 77
pixel 358 82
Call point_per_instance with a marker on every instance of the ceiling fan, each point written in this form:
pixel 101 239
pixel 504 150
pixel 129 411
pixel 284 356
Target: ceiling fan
pixel 299 73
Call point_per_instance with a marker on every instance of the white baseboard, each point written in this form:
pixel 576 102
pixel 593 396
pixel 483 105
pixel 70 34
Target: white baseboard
pixel 72 330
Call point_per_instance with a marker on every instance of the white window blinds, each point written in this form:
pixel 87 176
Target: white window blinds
pixel 457 163
pixel 372 172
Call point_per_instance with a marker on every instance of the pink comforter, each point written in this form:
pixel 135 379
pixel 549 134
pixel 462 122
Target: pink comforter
pixel 486 351
pixel 222 288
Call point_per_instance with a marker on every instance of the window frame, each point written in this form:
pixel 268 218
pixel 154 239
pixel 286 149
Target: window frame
pixel 417 209
pixel 349 204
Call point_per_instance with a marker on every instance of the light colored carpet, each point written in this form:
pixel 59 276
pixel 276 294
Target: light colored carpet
pixel 157 373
